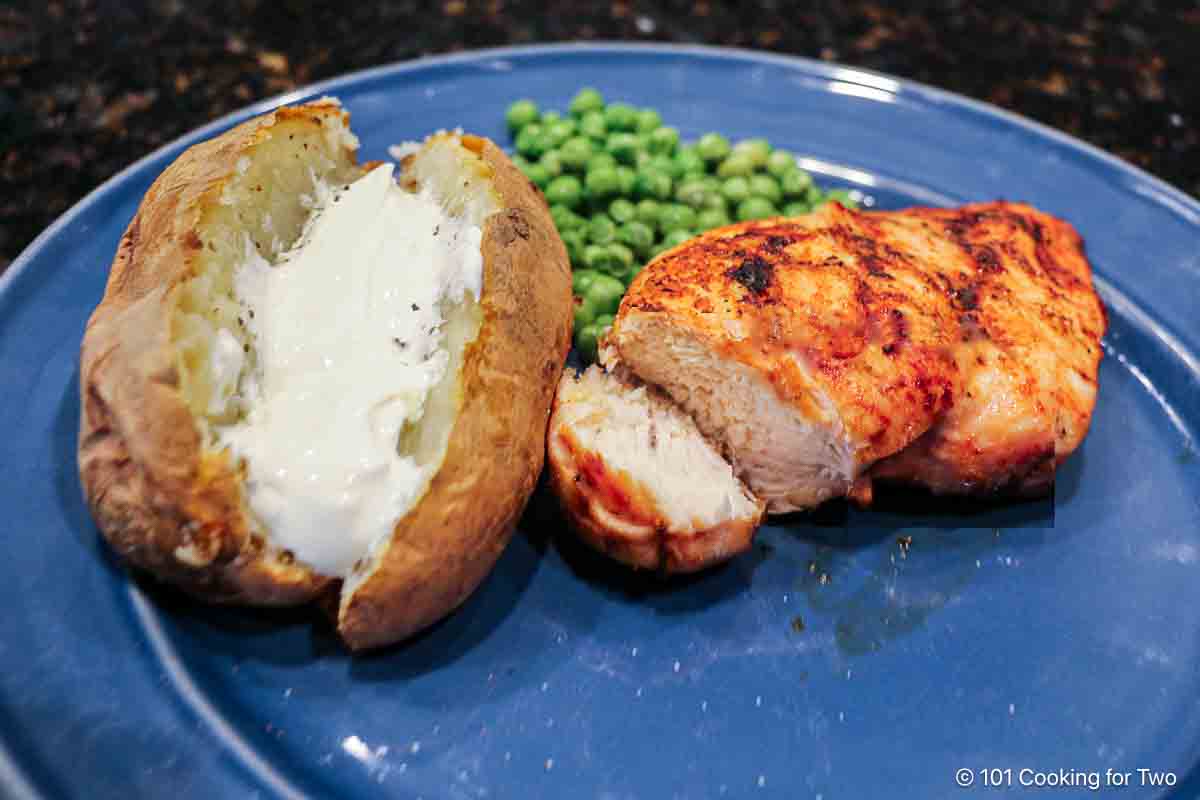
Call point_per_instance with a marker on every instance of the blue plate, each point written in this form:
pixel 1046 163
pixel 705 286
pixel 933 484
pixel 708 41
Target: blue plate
pixel 829 663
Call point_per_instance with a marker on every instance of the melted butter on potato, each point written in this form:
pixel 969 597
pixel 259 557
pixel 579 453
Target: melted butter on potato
pixel 350 332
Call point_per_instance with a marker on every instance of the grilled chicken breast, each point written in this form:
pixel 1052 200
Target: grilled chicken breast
pixel 952 348
pixel 639 482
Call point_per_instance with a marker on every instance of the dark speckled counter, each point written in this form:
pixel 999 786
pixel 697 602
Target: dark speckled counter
pixel 88 87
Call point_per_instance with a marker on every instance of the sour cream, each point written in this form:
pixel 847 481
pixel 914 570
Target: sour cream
pixel 347 332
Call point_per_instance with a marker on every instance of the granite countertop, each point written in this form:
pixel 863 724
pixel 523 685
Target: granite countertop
pixel 88 86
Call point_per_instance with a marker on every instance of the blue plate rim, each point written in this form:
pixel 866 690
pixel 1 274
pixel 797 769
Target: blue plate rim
pixel 1171 198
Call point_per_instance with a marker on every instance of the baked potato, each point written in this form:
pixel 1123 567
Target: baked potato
pixel 310 381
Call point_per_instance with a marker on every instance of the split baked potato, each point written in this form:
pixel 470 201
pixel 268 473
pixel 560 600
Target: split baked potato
pixel 187 394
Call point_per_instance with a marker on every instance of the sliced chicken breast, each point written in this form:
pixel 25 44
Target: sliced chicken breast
pixel 811 349
pixel 639 482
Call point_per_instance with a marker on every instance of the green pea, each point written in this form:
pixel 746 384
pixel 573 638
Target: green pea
pixel 813 195
pixel 735 190
pixel 604 322
pixel 642 159
pixel 757 150
pixel 519 161
pixel 842 196
pixel 596 257
pixel 795 183
pixel 660 162
pixel 585 307
pixel 552 161
pixel 520 114
pixel 691 193
pixel 601 182
pixel 688 160
pixel 559 131
pixel 765 186
pixel 664 140
pixel 620 117
pixel 601 230
pixel 622 210
pixel 537 173
pixel 676 238
pixel 796 209
pixel 626 178
pixel 582 279
pixel 647 120
pixel 781 162
pixel 716 201
pixel 709 218
pixel 600 160
pixel 593 126
pixel 736 164
pixel 622 146
pixel 712 147
pixel 574 240
pixel 586 342
pixel 622 257
pixel 633 271
pixel 587 99
pixel 575 153
pixel 647 212
pixel 564 218
pixel 652 184
pixel 637 235
pixel 531 142
pixel 564 190
pixel 606 292
pixel 675 216
pixel 755 208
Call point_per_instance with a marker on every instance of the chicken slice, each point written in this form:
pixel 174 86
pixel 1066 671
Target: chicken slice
pixel 639 482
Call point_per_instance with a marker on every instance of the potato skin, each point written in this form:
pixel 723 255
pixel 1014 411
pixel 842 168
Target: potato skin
pixel 164 504
pixel 444 547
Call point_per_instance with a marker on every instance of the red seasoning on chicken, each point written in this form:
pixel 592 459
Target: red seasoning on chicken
pixel 952 348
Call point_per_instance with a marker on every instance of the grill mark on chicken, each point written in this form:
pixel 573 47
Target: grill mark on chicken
pixel 1043 250
pixel 776 244
pixel 874 255
pixel 755 273
pixel 966 298
pixel 899 332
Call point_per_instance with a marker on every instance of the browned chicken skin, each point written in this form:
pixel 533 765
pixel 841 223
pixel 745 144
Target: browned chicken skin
pixel 956 348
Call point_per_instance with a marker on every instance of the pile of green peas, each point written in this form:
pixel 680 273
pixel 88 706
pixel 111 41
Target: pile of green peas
pixel 622 188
